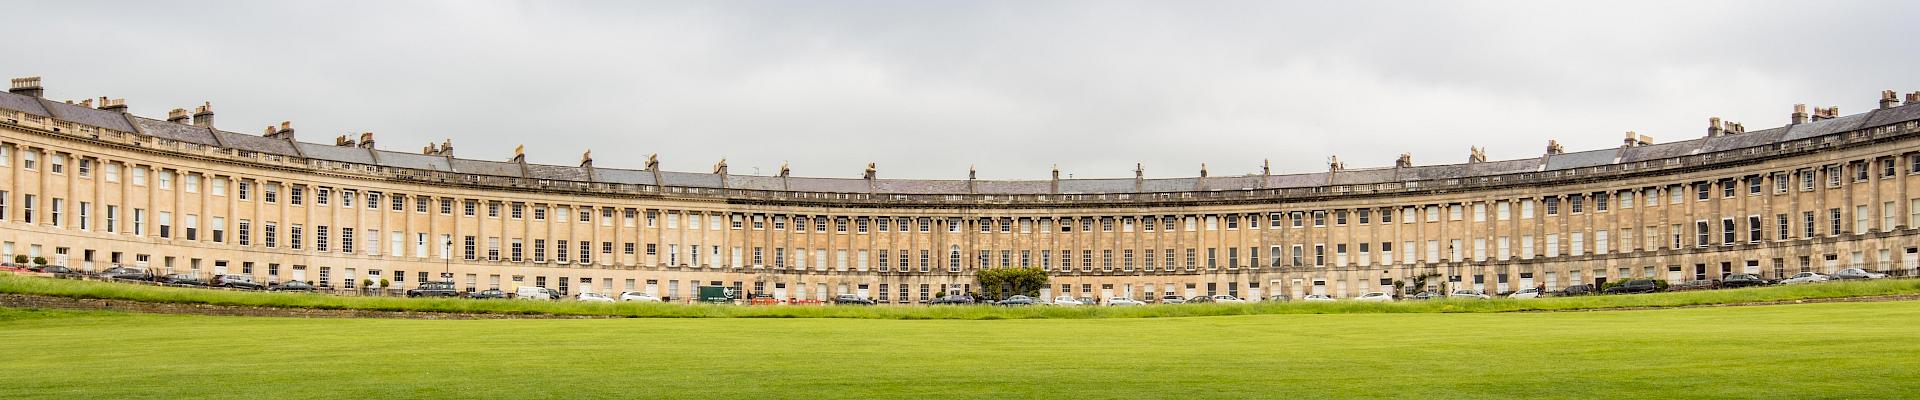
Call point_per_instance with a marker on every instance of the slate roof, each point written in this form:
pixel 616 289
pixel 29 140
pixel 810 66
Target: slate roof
pixel 25 104
pixel 177 132
pixel 1580 159
pixel 254 143
pixel 337 153
pixel 83 115
pixel 397 159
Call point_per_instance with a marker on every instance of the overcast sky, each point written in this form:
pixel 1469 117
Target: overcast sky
pixel 926 89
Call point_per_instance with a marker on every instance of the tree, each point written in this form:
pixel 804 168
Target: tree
pixel 1417 283
pixel 1000 283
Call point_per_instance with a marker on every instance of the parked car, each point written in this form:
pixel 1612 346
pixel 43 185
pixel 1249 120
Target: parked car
pixel 1527 293
pixel 434 289
pixel 852 299
pixel 132 274
pixel 1066 301
pixel 1427 295
pixel 1016 301
pixel 639 296
pixel 593 297
pixel 1317 297
pixel 952 299
pixel 292 286
pixel 7 266
pixel 1806 277
pixel 1743 280
pixel 1633 287
pixel 488 294
pixel 235 282
pixel 1697 284
pixel 1578 290
pixel 182 279
pixel 1856 273
pixel 1375 297
pixel 1124 301
pixel 1227 298
pixel 536 293
pixel 1468 294
pixel 54 269
pixel 1279 298
pixel 1172 299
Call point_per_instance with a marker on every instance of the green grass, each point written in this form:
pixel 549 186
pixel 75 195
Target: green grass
pixel 1805 351
pixel 121 291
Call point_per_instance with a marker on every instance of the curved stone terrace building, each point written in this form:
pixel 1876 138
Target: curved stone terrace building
pixel 89 186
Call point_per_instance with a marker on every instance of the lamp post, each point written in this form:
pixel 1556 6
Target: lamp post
pixel 446 269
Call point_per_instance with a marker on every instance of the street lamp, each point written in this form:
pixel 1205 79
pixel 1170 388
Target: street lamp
pixel 446 270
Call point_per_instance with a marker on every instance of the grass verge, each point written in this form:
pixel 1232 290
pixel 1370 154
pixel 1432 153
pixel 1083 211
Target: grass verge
pixel 121 291
pixel 1805 351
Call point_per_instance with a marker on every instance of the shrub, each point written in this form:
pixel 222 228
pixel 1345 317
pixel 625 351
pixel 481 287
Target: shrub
pixel 40 261
pixel 20 259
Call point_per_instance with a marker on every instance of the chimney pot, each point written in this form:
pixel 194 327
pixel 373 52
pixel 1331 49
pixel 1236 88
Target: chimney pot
pixel 28 86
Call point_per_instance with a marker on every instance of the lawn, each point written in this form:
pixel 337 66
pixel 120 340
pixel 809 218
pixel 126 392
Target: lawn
pixel 1827 350
pixel 125 291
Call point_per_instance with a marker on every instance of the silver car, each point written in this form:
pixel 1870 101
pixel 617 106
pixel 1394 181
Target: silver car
pixel 1805 277
pixel 1856 273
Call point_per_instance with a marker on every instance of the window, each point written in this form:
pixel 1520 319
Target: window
pixel 1834 218
pixel 1727 230
pixel 1553 205
pixel 1753 228
pixel 218 186
pixel 269 232
pixel 1807 225
pixel 112 171
pixel 57 163
pixel 320 238
pixel 165 179
pixel 1701 233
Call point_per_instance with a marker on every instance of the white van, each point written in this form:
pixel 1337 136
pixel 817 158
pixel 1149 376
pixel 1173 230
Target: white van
pixel 536 293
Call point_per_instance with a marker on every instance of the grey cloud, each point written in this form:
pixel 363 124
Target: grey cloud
pixel 926 89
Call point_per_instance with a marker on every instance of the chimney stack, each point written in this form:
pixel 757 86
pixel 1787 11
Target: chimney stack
pixel 366 140
pixel 203 115
pixel 178 116
pixel 1713 127
pixel 284 132
pixel 1553 147
pixel 1799 114
pixel 28 86
pixel 1912 98
pixel 1821 114
pixel 1475 154
pixel 342 141
pixel 114 105
pixel 1888 99
pixel 88 103
pixel 1405 161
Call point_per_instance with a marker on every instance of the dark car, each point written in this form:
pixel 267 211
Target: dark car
pixel 1578 290
pixel 1743 280
pixel 1015 301
pixel 1200 299
pixel 488 294
pixel 132 274
pixel 235 282
pixel 1634 286
pixel 54 269
pixel 434 289
pixel 294 286
pixel 955 299
pixel 1427 295
pixel 182 279
pixel 850 299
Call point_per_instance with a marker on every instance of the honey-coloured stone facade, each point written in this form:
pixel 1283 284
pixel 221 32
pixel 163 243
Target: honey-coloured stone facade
pixel 89 186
